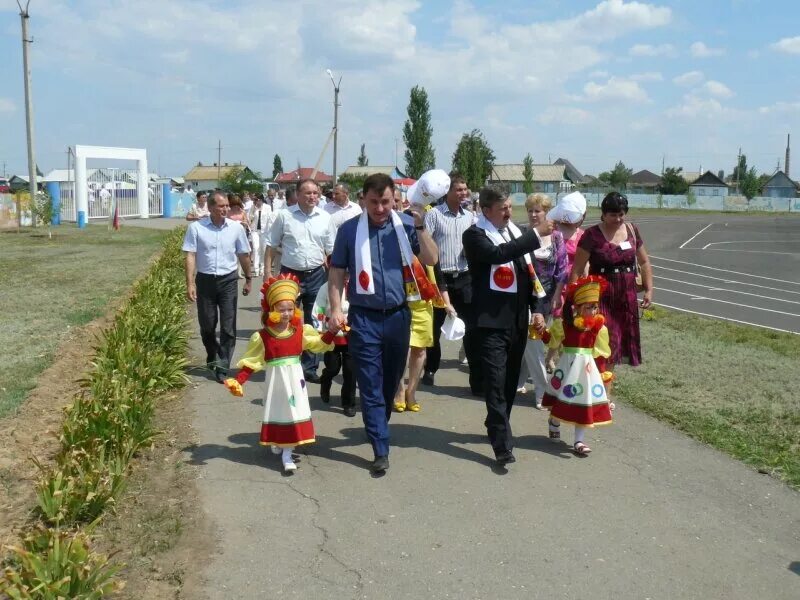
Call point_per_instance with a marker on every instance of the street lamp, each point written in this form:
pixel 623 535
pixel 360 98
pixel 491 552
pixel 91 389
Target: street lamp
pixel 24 16
pixel 335 119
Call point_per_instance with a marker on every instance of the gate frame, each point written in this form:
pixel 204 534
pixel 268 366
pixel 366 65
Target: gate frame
pixel 82 187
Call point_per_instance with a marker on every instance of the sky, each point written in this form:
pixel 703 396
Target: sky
pixel 686 82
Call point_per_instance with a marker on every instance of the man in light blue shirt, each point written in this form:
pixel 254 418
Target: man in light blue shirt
pixel 213 246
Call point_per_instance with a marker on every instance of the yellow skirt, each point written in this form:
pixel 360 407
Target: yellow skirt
pixel 421 324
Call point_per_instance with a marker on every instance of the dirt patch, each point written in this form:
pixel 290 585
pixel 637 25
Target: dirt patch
pixel 34 429
pixel 159 532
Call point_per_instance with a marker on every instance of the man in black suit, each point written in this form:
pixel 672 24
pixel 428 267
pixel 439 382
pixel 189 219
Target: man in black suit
pixel 502 295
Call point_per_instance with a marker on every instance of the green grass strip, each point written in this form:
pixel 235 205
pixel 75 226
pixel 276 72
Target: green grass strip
pixel 731 386
pixel 142 355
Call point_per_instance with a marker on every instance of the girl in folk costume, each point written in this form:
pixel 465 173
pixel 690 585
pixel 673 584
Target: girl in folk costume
pixel 576 392
pixel 276 349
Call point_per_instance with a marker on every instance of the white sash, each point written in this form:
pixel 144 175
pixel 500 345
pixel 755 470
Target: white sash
pixel 503 278
pixel 365 283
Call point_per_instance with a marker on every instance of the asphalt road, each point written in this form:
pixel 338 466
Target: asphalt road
pixel 741 268
pixel 649 515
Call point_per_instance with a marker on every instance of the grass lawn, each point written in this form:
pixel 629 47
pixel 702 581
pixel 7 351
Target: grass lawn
pixel 48 286
pixel 731 386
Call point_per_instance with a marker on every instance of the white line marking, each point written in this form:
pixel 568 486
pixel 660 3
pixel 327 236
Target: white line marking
pixel 791 241
pixel 725 270
pixel 727 290
pixel 727 319
pixel 725 280
pixel 752 252
pixel 779 312
pixel 695 235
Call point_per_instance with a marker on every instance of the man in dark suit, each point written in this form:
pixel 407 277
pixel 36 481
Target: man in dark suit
pixel 502 295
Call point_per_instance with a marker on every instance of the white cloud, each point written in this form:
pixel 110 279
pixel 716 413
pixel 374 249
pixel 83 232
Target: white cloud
pixel 6 105
pixel 650 50
pixel 689 78
pixel 716 88
pixel 647 76
pixel 700 50
pixel 780 108
pixel 563 115
pixel 616 88
pixel 790 45
pixel 177 57
pixel 694 106
pixel 599 74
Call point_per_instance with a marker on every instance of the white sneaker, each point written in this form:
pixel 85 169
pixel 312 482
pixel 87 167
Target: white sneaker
pixel 521 390
pixel 289 466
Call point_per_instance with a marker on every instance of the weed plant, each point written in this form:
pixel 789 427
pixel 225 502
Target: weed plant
pixel 140 356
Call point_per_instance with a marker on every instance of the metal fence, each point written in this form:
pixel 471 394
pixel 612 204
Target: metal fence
pixel 106 187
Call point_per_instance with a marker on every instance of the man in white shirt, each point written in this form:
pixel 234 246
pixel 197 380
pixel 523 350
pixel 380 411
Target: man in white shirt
pixel 305 235
pixel 276 202
pixel 247 202
pixel 260 216
pixel 340 208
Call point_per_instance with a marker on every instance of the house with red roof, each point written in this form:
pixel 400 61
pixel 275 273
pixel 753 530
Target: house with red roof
pixel 292 177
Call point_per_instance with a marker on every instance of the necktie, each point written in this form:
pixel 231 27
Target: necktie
pixel 258 222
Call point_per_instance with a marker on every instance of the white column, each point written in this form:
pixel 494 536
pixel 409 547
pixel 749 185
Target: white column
pixel 81 191
pixel 142 189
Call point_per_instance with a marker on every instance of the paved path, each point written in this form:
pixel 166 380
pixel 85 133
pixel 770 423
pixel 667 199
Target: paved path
pixel 650 514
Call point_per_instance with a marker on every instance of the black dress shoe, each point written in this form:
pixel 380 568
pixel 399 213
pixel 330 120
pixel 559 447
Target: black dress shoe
pixel 325 390
pixel 380 464
pixel 220 374
pixel 312 377
pixel 349 411
pixel 427 378
pixel 506 458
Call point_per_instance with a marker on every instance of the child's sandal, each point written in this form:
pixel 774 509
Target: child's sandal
pixel 554 430
pixel 581 449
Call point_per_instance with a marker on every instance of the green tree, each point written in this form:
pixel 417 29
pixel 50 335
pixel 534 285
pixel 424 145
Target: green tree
pixel 277 166
pixel 672 182
pixel 618 177
pixel 750 184
pixel 363 161
pixel 355 181
pixel 417 134
pixel 527 173
pixel 240 180
pixel 473 159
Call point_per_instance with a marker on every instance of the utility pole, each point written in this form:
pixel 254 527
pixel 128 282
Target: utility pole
pixel 663 158
pixel 335 120
pixel 219 159
pixel 24 16
pixel 738 169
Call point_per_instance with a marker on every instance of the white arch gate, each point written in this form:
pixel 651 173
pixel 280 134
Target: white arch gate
pixel 82 184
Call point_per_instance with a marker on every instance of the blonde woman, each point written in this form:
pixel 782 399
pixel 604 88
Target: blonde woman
pixel 550 263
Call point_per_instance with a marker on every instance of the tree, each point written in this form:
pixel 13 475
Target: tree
pixel 473 159
pixel 746 180
pixel 618 177
pixel 240 180
pixel 672 182
pixel 277 166
pixel 354 181
pixel 527 173
pixel 417 134
pixel 363 161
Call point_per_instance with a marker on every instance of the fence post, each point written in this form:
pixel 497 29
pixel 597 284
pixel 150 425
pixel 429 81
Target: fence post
pixel 54 191
pixel 166 200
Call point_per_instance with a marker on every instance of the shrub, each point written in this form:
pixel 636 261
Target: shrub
pixel 55 564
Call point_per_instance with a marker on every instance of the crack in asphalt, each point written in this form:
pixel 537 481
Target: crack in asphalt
pixel 321 547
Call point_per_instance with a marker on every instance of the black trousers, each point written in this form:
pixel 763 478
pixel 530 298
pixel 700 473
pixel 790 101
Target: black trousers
pixel 217 299
pixel 310 282
pixel 460 292
pixel 335 360
pixel 501 351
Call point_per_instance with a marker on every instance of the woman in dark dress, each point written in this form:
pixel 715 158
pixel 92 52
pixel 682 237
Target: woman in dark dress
pixel 612 248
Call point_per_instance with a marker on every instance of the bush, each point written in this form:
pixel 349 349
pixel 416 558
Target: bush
pixel 55 564
pixel 142 355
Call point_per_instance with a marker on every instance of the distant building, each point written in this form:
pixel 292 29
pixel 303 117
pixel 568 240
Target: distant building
pixel 391 171
pixel 293 177
pixel 549 179
pixel 708 184
pixel 779 186
pixel 644 182
pixel 206 177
